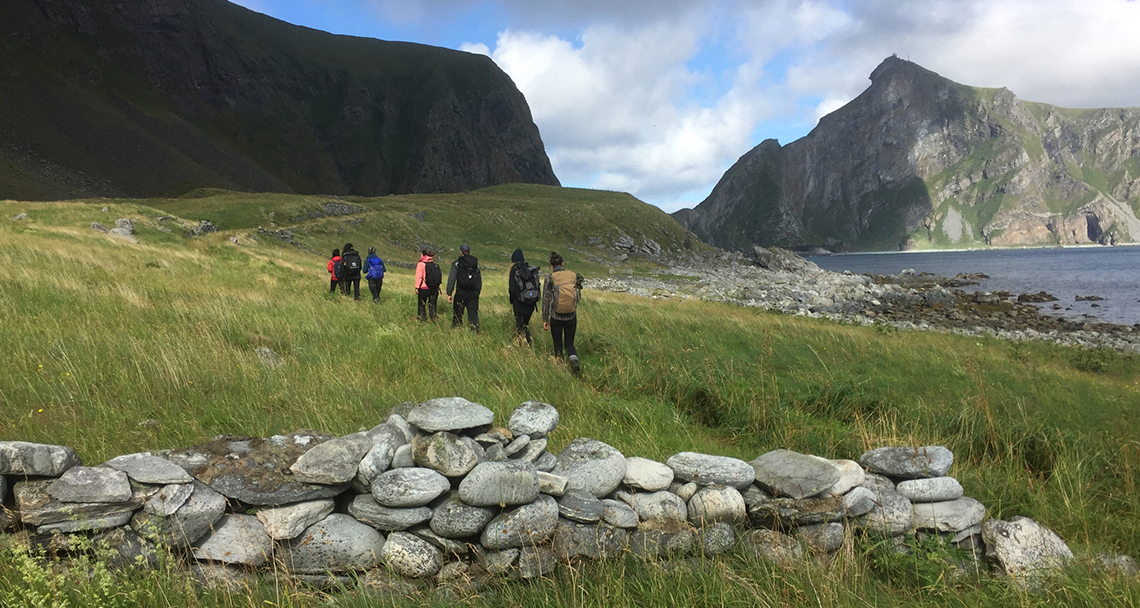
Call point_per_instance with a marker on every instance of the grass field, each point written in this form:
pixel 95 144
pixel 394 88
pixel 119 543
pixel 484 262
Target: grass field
pixel 111 348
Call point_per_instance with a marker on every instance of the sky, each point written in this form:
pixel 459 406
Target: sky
pixel 659 97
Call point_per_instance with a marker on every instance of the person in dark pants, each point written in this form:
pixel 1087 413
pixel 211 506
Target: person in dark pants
pixel 428 278
pixel 524 292
pixel 375 274
pixel 561 292
pixel 352 264
pixel 466 282
pixel 334 271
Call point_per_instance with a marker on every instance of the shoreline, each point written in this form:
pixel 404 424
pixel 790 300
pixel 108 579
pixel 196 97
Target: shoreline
pixel 970 249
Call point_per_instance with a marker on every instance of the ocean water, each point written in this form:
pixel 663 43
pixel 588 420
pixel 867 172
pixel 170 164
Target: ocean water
pixel 1112 273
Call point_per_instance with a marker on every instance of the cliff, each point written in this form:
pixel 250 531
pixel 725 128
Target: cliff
pixel 159 97
pixel 919 161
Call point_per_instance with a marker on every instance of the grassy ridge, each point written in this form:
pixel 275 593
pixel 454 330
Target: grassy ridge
pixel 111 348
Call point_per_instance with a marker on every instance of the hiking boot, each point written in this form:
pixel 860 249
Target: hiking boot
pixel 574 369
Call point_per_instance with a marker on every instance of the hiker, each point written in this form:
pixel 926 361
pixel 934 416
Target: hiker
pixel 560 296
pixel 524 293
pixel 352 264
pixel 428 278
pixel 334 270
pixel 467 282
pixel 375 273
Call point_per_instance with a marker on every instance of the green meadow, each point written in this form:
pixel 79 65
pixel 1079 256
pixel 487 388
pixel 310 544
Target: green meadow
pixel 111 347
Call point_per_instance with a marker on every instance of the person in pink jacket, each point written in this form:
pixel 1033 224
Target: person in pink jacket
pixel 428 278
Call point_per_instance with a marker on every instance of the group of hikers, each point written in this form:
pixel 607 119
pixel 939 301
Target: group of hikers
pixel 558 292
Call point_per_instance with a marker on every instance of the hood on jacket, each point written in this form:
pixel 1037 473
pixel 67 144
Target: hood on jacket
pixel 517 256
pixel 427 258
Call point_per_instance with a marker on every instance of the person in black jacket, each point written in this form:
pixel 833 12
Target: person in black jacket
pixel 352 265
pixel 466 281
pixel 524 293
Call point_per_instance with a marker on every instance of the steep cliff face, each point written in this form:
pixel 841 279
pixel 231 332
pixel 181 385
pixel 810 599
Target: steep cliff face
pixel 920 161
pixel 157 97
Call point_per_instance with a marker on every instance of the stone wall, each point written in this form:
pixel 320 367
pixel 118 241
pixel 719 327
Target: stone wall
pixel 437 491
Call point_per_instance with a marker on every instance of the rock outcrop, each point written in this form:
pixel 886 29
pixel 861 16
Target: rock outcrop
pixel 919 160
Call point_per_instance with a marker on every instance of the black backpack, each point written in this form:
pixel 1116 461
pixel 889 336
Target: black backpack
pixel 526 278
pixel 352 263
pixel 467 277
pixel 432 275
pixel 338 269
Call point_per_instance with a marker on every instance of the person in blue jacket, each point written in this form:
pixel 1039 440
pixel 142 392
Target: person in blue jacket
pixel 375 273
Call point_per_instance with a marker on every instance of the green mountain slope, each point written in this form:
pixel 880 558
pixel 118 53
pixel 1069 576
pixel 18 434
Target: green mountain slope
pixel 156 99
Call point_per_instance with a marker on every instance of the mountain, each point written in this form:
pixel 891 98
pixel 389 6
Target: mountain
pixel 161 97
pixel 919 161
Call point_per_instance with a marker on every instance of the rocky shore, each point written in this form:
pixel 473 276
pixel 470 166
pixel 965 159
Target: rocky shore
pixel 782 281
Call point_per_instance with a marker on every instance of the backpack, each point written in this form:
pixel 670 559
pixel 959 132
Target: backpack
pixel 338 269
pixel 565 292
pixel 433 276
pixel 526 278
pixel 375 270
pixel 467 277
pixel 352 263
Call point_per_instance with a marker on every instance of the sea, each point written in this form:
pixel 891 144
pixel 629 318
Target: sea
pixel 1112 273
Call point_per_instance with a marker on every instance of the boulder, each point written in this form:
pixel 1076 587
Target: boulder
pixel 534 450
pixel 366 510
pixel 859 501
pixel 714 504
pixel 536 561
pixel 850 476
pixel 35 459
pixel 707 470
pixel 447 545
pixel 597 542
pixel 534 419
pixel 771 545
pixel 522 526
pixel 891 516
pixel 1024 550
pixel 685 490
pixel 795 475
pixel 402 457
pixel 444 452
pixel 454 518
pixel 592 466
pixel 546 462
pixel 908 463
pixel 519 444
pixel 409 487
pixel 717 538
pixel 618 514
pixel 824 538
pixel 337 543
pixel 187 524
pixel 646 474
pixel 449 414
pixel 164 501
pixel 656 506
pixel 398 422
pixel 500 484
pixel 146 468
pixel 256 471
pixel 333 462
pixel 498 562
pixel 124 234
pixel 788 512
pixel 663 538
pixel 91 484
pixel 580 506
pixel 285 522
pixel 949 516
pixel 411 556
pixel 235 539
pixel 931 489
pixel 38 508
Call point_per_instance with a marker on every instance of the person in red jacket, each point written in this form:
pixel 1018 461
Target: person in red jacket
pixel 428 278
pixel 334 270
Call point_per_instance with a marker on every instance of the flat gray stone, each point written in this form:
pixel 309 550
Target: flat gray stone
pixel 1024 550
pixel 949 516
pixel 876 482
pixel 386 438
pixel 127 549
pixel 754 495
pixel 771 545
pixel 89 524
pixel 519 444
pixel 338 543
pixel 580 506
pixel 717 538
pixel 164 501
pixel 850 476
pixel 235 539
pixel 619 514
pixel 597 542
pixel 662 538
pixel 402 457
pixel 500 484
pixel 534 450
pixel 36 459
pixel 289 521
pixel 454 518
pixel 365 509
pixel 449 546
pixel 592 466
pixel 646 474
pixel 658 506
pixel 446 453
pixel 400 423
pixel 932 489
pixel 411 556
pixel 498 562
pixel 495 453
pixel 91 484
pixel 908 463
pixel 825 538
pixel 549 483
pixel 38 508
pixel 522 526
pixel 409 487
pixel 256 471
pixel 795 475
pixel 789 512
pixel 146 468
pixel 189 523
pixel 546 462
pixel 714 504
pixel 685 490
pixel 891 516
pixel 333 462
pixel 449 414
pixel 536 561
pixel 707 470
pixel 859 501
pixel 534 419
